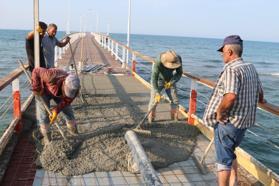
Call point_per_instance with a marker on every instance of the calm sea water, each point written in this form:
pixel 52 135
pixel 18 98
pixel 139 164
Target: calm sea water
pixel 200 58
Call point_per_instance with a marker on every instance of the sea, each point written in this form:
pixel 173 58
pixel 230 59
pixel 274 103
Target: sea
pixel 200 58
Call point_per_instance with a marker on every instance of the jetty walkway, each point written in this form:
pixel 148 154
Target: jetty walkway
pixel 115 97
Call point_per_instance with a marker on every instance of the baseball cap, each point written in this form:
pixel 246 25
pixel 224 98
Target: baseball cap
pixel 232 39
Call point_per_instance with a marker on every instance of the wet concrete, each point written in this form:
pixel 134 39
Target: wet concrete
pixel 102 124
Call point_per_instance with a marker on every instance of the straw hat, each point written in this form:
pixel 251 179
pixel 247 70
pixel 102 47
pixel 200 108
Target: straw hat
pixel 170 59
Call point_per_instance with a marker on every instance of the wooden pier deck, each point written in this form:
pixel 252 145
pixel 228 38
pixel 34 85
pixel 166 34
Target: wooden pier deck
pixel 133 97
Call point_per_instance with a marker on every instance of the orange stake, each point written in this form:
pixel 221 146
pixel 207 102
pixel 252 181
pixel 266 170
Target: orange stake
pixel 192 106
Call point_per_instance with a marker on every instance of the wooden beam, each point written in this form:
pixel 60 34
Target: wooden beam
pixel 5 81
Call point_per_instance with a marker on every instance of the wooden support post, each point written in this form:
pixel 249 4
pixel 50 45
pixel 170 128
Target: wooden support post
pixel 192 103
pixel 17 107
pixel 147 171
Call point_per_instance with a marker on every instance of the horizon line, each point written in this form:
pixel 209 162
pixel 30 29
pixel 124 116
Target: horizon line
pixel 147 34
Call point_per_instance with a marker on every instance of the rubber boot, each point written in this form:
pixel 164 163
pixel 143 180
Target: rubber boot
pixel 45 133
pixel 174 114
pixel 72 128
pixel 151 117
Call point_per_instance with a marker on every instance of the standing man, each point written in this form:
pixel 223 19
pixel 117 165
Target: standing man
pixel 232 107
pixel 29 46
pixel 60 86
pixel 49 42
pixel 166 71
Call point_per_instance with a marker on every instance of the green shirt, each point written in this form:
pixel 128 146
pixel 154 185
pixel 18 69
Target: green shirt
pixel 161 73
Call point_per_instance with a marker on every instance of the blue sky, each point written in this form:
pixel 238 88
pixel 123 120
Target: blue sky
pixel 252 19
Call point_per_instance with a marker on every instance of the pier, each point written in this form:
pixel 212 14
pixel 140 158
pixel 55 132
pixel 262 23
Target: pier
pixel 115 100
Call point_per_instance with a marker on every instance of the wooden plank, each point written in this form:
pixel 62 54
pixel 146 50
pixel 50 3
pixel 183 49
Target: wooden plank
pixel 10 77
pixel 254 167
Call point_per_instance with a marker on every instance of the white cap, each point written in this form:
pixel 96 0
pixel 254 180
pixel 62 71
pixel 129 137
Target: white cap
pixel 72 85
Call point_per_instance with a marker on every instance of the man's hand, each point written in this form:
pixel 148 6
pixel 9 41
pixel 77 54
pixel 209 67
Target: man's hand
pixel 222 117
pixel 52 117
pixel 38 93
pixel 39 29
pixel 167 85
pixel 157 98
pixel 68 39
pixel 262 100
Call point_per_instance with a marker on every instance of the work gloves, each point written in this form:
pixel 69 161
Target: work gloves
pixel 52 117
pixel 167 85
pixel 157 98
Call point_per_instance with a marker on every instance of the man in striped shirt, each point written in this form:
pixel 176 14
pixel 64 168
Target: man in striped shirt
pixel 232 107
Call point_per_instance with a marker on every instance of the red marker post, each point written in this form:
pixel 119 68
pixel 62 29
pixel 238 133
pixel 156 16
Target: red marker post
pixel 192 103
pixel 17 104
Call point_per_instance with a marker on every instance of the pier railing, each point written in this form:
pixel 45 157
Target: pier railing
pixel 12 89
pixel 60 51
pixel 128 58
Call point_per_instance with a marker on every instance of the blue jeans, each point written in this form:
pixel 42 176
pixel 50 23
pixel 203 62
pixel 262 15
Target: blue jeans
pixel 226 138
pixel 67 112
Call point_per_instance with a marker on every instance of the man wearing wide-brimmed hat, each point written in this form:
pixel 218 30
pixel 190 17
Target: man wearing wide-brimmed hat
pixel 166 71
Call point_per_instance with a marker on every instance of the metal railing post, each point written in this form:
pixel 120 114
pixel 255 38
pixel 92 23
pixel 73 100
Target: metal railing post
pixel 192 103
pixel 55 54
pixel 116 51
pixel 123 57
pixel 60 53
pixel 112 48
pixel 17 104
pixel 106 42
pixel 109 43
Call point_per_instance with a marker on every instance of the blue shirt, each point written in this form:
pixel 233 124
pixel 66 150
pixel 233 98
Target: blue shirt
pixel 48 44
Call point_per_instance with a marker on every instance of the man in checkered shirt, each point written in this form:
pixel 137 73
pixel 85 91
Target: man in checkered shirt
pixel 232 107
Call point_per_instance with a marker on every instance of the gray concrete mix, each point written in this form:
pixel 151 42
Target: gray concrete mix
pixel 112 110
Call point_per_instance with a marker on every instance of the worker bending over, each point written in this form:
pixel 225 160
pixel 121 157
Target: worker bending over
pixel 60 86
pixel 166 72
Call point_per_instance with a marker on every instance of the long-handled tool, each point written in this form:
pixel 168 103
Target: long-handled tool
pixel 75 67
pixel 200 163
pixel 41 101
pixel 139 128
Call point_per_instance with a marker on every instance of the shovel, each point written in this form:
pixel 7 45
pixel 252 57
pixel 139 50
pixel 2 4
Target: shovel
pixel 138 128
pixel 75 67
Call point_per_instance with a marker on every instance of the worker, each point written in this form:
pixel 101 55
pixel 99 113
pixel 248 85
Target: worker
pixel 58 85
pixel 49 42
pixel 166 72
pixel 29 46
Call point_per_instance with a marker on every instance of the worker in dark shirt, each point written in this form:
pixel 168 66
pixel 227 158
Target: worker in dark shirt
pixel 166 72
pixel 29 46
